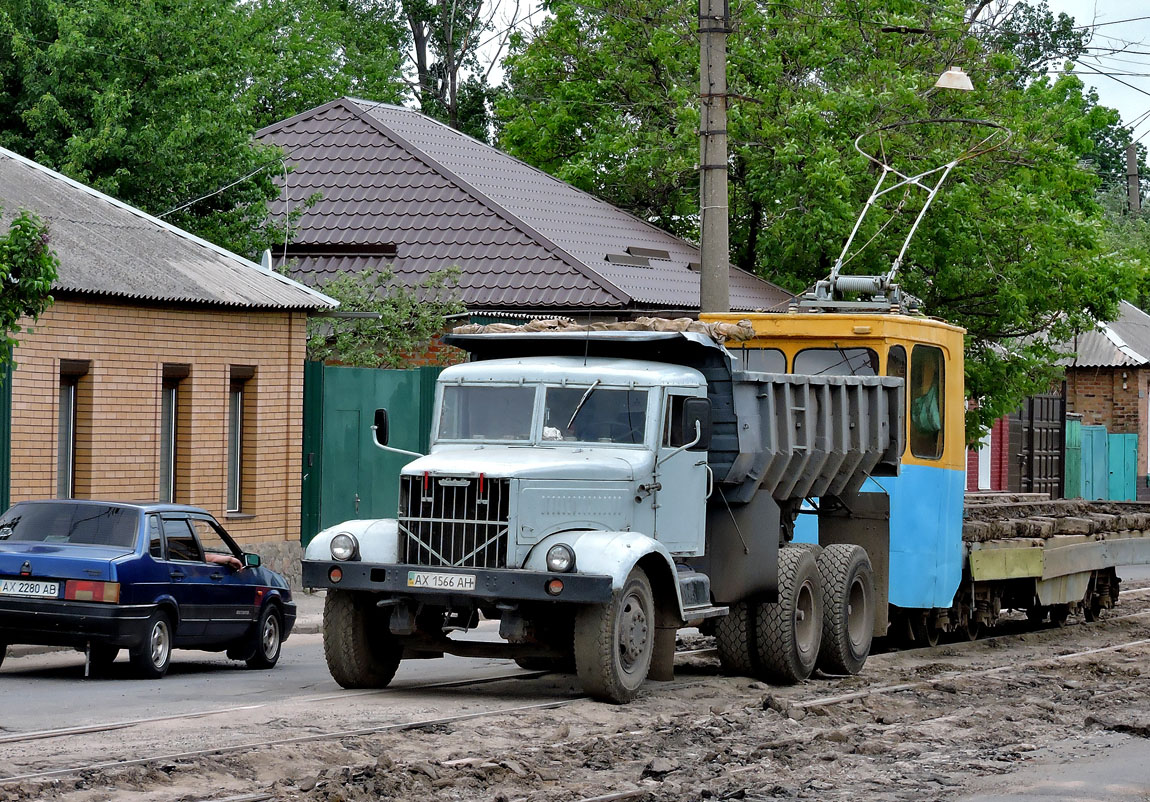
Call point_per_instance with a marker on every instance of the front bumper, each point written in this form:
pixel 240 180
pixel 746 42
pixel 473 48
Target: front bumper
pixel 491 584
pixel 56 622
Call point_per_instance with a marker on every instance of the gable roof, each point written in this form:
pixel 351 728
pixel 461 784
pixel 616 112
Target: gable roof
pixel 107 247
pixel 433 197
pixel 1124 342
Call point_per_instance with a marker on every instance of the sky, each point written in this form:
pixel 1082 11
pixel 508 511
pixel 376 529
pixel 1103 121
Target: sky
pixel 1129 89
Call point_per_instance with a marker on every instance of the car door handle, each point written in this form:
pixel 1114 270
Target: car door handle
pixel 177 575
pixel 217 577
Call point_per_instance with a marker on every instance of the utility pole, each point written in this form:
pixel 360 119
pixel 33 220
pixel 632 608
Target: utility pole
pixel 715 256
pixel 1133 190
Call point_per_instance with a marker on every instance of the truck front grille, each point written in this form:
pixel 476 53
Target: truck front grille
pixel 458 522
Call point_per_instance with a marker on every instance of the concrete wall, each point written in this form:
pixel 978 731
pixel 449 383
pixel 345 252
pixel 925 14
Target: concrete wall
pixel 118 426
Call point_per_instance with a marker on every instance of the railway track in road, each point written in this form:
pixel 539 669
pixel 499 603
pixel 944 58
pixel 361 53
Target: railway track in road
pixel 803 697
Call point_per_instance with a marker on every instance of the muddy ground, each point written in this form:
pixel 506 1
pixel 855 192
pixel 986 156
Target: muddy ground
pixel 917 725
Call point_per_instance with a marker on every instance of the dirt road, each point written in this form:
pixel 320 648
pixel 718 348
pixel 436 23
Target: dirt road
pixel 916 725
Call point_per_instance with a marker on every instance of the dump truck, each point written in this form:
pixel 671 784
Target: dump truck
pixel 792 483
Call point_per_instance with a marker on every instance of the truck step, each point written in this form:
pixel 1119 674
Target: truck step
pixel 704 611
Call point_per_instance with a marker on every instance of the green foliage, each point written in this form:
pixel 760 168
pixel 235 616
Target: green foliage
pixel 27 269
pixel 155 102
pixel 408 318
pixel 1014 249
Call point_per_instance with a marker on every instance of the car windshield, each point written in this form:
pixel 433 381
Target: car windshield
pixel 485 412
pixel 87 524
pixel 594 414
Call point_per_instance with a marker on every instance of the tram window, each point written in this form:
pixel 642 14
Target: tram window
pixel 927 409
pixel 836 362
pixel 896 367
pixel 896 362
pixel 763 360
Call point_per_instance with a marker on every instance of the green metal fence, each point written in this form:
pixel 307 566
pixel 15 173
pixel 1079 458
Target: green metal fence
pixel 345 475
pixel 5 432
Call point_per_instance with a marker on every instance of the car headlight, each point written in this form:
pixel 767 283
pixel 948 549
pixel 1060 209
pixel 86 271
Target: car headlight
pixel 344 546
pixel 560 559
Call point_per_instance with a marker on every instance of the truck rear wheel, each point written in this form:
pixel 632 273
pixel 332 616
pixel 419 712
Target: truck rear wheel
pixel 614 642
pixel 359 648
pixel 848 608
pixel 788 632
pixel 734 639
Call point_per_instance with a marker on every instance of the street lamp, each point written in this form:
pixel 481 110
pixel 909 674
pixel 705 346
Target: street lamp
pixel 954 78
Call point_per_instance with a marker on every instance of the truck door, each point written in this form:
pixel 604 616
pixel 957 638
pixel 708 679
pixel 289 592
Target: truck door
pixel 680 501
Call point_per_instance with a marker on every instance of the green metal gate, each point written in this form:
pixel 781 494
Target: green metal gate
pixel 1123 466
pixel 5 432
pixel 345 475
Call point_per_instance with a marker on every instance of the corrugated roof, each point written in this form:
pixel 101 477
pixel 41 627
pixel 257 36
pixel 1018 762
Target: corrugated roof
pixel 522 238
pixel 108 248
pixel 1124 342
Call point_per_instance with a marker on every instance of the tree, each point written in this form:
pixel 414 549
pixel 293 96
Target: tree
pixel 27 269
pixel 603 94
pixel 155 102
pixel 407 318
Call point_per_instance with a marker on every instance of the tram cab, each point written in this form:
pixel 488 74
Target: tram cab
pixel 925 548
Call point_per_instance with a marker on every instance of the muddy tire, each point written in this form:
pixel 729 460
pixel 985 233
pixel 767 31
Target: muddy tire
pixel 734 639
pixel 788 632
pixel 614 642
pixel 268 639
pixel 359 648
pixel 848 608
pixel 152 657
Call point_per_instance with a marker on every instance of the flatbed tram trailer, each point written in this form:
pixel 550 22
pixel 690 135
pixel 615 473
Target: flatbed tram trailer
pixel 934 580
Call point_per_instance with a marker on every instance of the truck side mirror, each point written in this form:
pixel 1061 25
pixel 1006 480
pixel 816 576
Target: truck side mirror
pixel 697 411
pixel 380 427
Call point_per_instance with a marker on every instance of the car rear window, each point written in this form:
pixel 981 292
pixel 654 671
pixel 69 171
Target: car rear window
pixel 91 524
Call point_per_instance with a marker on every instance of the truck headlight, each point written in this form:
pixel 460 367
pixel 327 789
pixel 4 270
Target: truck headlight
pixel 344 547
pixel 560 559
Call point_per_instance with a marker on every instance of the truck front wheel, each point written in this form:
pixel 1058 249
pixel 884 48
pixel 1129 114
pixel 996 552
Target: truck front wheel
pixel 359 648
pixel 614 641
pixel 788 632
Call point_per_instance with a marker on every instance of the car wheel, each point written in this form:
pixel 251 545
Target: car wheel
pixel 152 657
pixel 269 639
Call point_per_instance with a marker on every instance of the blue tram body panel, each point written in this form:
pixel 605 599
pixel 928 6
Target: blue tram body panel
pixel 926 556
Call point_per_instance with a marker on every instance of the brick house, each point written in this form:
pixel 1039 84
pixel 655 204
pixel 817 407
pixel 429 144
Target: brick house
pixel 400 189
pixel 167 368
pixel 1108 380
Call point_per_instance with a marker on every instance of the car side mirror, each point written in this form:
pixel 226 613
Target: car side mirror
pixel 697 417
pixel 380 427
pixel 251 560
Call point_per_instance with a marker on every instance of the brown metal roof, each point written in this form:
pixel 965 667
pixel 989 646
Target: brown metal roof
pixel 434 197
pixel 1124 342
pixel 108 248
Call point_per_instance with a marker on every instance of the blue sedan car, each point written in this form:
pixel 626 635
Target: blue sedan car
pixel 103 576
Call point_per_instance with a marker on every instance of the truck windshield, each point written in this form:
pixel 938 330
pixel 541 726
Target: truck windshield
pixel 486 413
pixel 607 416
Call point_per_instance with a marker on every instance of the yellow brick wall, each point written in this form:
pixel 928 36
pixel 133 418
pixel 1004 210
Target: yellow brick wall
pixel 118 437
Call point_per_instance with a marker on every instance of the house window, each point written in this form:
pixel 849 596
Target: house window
pixel 239 406
pixel 72 371
pixel 172 449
